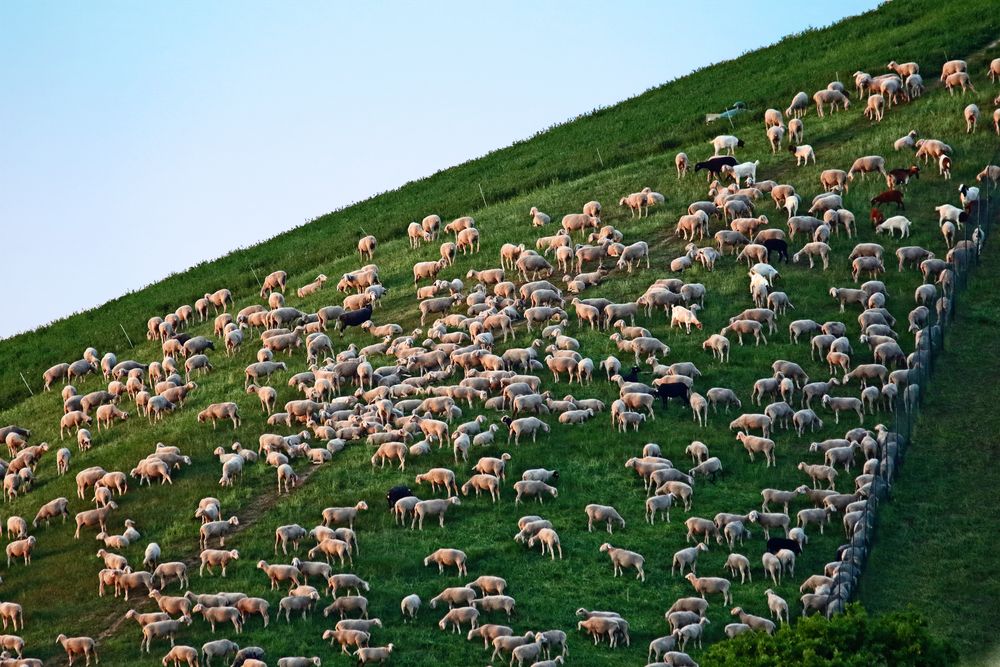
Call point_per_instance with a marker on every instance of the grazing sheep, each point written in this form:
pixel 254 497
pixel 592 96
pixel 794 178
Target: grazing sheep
pixel 688 557
pixel 77 646
pixel 755 623
pixel 622 558
pixel 705 585
pixel 802 154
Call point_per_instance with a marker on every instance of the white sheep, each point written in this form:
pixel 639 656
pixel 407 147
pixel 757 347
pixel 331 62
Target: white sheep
pixel 726 142
pixel 802 154
pixel 971 114
pixel 896 223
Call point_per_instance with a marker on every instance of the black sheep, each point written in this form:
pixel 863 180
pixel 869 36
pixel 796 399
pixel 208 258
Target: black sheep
pixel 670 390
pixel 779 246
pixel 714 165
pixel 632 375
pixel 397 492
pixel 353 318
pixel 776 544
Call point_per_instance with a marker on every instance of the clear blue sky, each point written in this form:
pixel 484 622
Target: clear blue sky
pixel 139 138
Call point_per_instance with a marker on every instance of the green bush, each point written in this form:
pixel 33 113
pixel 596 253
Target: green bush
pixel 851 639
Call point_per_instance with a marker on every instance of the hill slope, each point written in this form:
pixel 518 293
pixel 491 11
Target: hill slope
pixel 556 171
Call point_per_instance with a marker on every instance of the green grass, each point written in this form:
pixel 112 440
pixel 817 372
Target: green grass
pixel 557 171
pixel 941 505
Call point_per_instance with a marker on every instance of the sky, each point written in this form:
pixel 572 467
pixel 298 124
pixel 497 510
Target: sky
pixel 139 139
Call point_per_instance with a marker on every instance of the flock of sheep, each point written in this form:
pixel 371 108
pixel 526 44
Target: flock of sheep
pixel 412 405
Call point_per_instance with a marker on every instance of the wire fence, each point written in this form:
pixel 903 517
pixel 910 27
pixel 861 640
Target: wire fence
pixel 886 451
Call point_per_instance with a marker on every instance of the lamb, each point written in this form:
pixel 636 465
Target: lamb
pixel 875 108
pixel 705 585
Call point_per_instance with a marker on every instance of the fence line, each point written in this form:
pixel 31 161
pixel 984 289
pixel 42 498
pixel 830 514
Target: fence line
pixel 890 446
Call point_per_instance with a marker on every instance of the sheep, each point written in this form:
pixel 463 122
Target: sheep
pixel 347 637
pixel 802 154
pixel 775 134
pixel 623 558
pixel 838 404
pixel 834 98
pixel 759 445
pixel 96 517
pixel 50 510
pixel 84 646
pixel 377 654
pixel 548 539
pixel 866 165
pixel 448 557
pixel 958 80
pixel 164 572
pixel 737 563
pixel 726 142
pixel 798 107
pixel 705 585
pixel 161 629
pixel 429 508
pixel 688 557
pixel 681 163
pixel 333 516
pixel 895 223
pixel 875 108
pixel 745 326
pixel 755 623
pixel 819 473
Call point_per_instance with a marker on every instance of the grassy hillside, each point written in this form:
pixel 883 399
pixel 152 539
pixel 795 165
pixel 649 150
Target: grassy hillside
pixel 946 572
pixel 656 122
pixel 557 171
